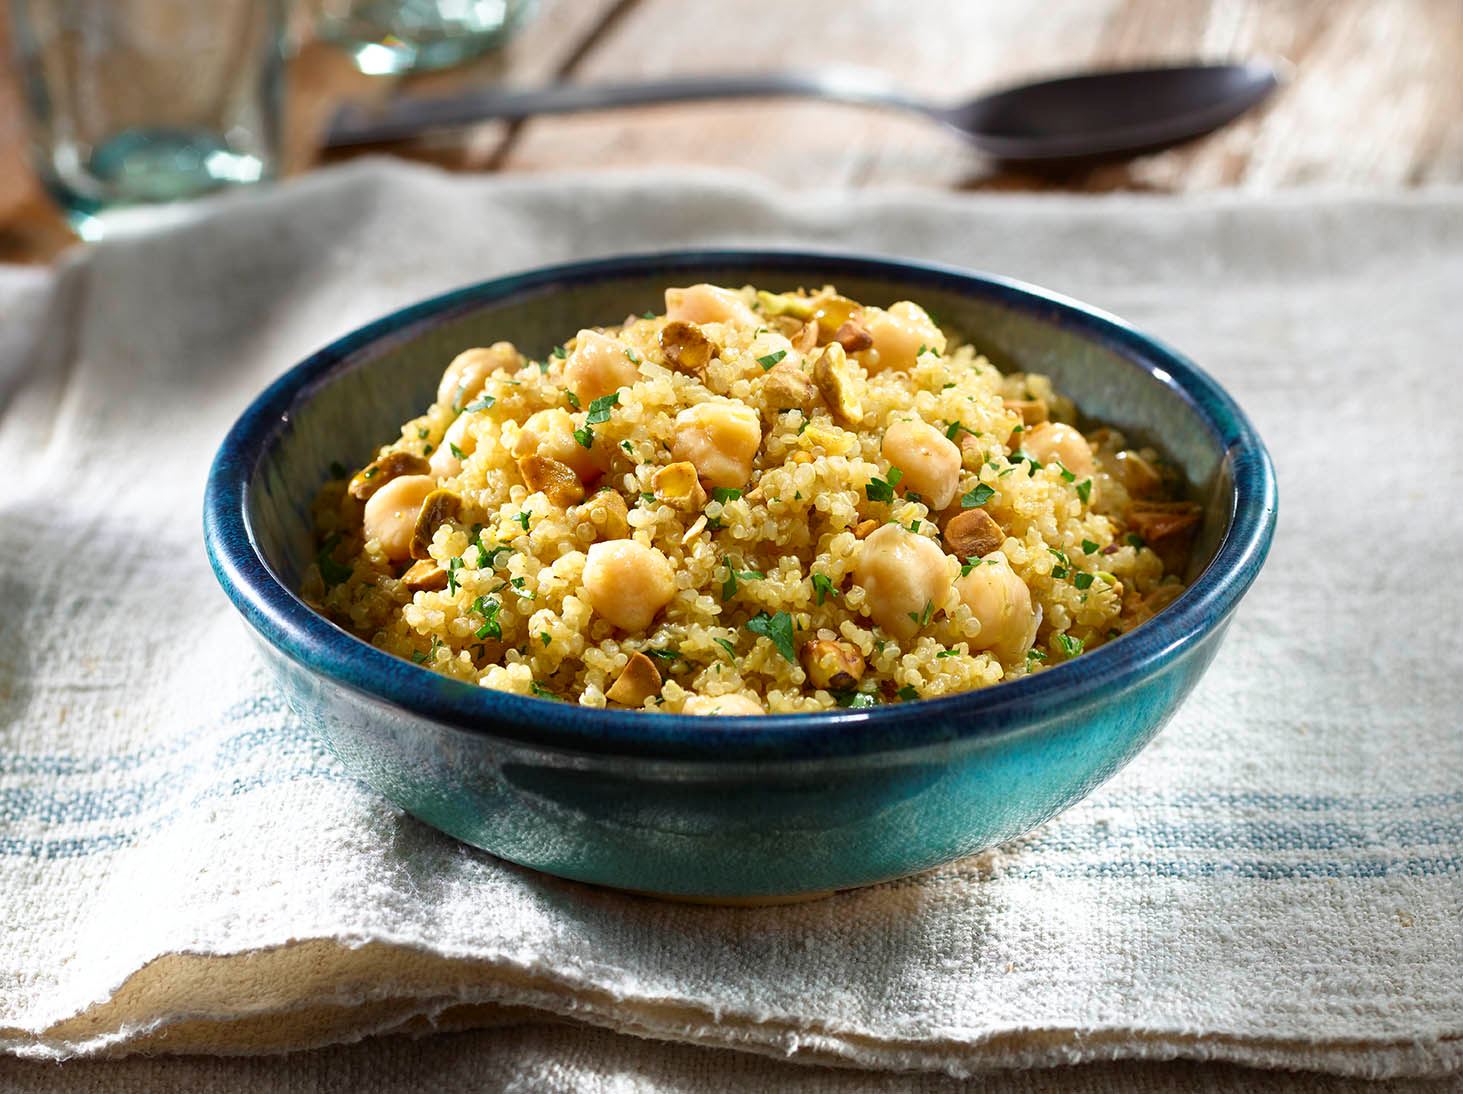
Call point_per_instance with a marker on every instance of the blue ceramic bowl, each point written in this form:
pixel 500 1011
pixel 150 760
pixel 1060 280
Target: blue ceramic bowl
pixel 728 808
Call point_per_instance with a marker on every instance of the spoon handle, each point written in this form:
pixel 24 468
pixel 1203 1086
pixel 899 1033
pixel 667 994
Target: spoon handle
pixel 396 120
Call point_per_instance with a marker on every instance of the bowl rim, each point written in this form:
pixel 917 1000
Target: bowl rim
pixel 297 632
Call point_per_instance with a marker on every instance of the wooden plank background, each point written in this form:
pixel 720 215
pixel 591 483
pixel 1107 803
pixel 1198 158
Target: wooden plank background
pixel 1374 98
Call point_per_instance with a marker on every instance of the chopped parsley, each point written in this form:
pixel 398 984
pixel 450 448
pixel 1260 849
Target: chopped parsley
pixel 724 494
pixel 647 315
pixel 1084 490
pixel 482 403
pixel 522 518
pixel 1070 646
pixel 823 586
pixel 331 571
pixel 920 618
pixel 883 489
pixel 954 429
pixel 599 410
pixel 573 399
pixel 629 449
pixel 1088 547
pixel 1135 540
pixel 459 453
pixel 908 694
pixel 519 585
pixel 857 700
pixel 543 636
pixel 633 356
pixel 778 628
pixel 804 426
pixel 1035 655
pixel 423 433
pixel 971 562
pixel 453 565
pixel 647 498
pixel 977 497
pixel 726 644
pixel 541 691
pixel 1060 556
pixel 771 359
pixel 947 653
pixel 488 607
pixel 1059 572
pixel 1082 581
pixel 488 558
pixel 664 655
pixel 585 437
pixel 729 586
pixel 1067 476
pixel 559 352
pixel 431 655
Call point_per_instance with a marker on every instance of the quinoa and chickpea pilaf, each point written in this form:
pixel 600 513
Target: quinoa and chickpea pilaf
pixel 754 502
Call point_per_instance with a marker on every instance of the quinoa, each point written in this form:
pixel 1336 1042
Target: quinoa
pixel 804 560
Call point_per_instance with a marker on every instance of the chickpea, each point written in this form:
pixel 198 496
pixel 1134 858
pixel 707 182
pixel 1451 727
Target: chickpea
pixel 391 513
pixel 470 370
pixel 721 439
pixel 550 433
pixel 1055 441
pixel 930 461
pixel 1000 600
pixel 445 462
pixel 733 704
pixel 897 336
pixel 597 367
pixel 627 582
pixel 708 304
pixel 904 575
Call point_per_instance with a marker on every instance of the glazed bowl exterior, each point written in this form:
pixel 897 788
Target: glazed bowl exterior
pixel 728 808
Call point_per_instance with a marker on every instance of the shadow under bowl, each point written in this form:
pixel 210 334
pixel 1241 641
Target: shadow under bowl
pixel 728 808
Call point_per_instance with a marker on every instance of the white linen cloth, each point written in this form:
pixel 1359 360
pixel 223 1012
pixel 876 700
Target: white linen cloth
pixel 1275 881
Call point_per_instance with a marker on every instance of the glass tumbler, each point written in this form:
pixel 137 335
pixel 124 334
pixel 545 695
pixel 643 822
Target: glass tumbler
pixel 391 36
pixel 134 102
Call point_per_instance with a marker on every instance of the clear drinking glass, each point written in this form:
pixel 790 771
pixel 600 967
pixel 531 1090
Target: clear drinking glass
pixel 141 101
pixel 387 36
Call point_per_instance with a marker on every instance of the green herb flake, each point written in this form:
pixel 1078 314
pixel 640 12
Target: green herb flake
pixel 520 587
pixel 724 494
pixel 1084 490
pixel 629 449
pixel 857 700
pixel 663 655
pixel 453 565
pixel 1135 540
pixel 423 433
pixel 729 586
pixel 647 498
pixel 1082 581
pixel 726 644
pixel 573 399
pixel 331 571
pixel 804 426
pixel 599 410
pixel 459 453
pixel 1088 547
pixel 771 359
pixel 778 628
pixel 1059 572
pixel 971 562
pixel 522 518
pixel 1070 646
pixel 428 450
pixel 947 653
pixel 482 403
pixel 1035 655
pixel 908 694
pixel 541 691
pixel 954 429
pixel 883 489
pixel 488 608
pixel 647 315
pixel 823 586
pixel 560 353
pixel 633 356
pixel 977 497
pixel 1060 556
pixel 1067 476
pixel 585 437
pixel 921 618
pixel 545 637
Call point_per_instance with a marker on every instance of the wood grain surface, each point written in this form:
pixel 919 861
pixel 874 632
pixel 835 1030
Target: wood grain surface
pixel 1374 96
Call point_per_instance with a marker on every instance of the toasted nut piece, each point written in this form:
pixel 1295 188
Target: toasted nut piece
pixel 678 486
pixel 805 339
pixel 853 336
pixel 788 303
pixel 695 530
pixel 605 510
pixel 1156 521
pixel 1139 476
pixel 1032 411
pixel 639 680
pixel 686 349
pixel 424 576
pixel 787 387
pixel 836 666
pixel 864 528
pixel 379 472
pixel 830 374
pixel 437 509
pixel 733 704
pixel 832 311
pixel 973 533
pixel 559 483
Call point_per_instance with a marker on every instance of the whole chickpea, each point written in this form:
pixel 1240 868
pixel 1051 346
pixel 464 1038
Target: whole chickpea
pixel 732 704
pixel 898 335
pixel 929 460
pixel 470 370
pixel 905 578
pixel 1000 600
pixel 705 303
pixel 1056 441
pixel 598 366
pixel 628 583
pixel 550 433
pixel 391 513
pixel 721 439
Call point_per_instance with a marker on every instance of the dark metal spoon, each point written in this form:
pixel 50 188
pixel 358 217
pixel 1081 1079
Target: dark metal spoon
pixel 1079 117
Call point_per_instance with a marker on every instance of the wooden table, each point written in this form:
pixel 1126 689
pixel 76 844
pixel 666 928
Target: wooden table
pixel 1375 98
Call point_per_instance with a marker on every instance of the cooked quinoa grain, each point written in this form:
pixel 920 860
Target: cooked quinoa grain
pixel 755 502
